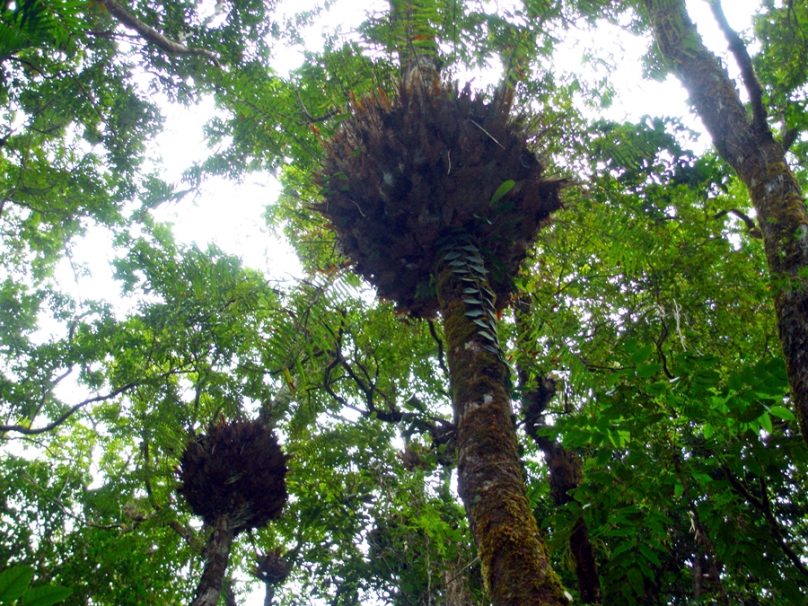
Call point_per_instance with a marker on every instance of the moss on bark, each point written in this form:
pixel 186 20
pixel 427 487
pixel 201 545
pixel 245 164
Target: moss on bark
pixel 515 566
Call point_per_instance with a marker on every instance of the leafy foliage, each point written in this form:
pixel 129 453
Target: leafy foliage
pixel 649 297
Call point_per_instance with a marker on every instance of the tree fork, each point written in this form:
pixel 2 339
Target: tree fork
pixel 759 160
pixel 515 566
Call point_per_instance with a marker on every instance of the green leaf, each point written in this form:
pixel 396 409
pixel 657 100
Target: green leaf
pixel 702 478
pixel 502 190
pixel 487 335
pixel 14 581
pixel 646 371
pixel 751 412
pixel 46 595
pixel 765 422
pixel 638 353
pixel 649 555
pixel 782 412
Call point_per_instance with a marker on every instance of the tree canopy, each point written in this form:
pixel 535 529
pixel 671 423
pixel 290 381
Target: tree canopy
pixel 650 341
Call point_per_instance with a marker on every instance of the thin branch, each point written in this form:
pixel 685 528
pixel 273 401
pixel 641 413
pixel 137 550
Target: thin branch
pixel 152 36
pixel 490 136
pixel 789 137
pixel 68 413
pixel 751 227
pixel 741 55
pixel 441 355
pixel 775 526
pixel 763 505
pixel 660 342
pixel 309 119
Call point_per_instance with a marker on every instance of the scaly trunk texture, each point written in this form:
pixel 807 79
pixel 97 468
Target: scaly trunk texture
pixel 746 143
pixel 217 553
pixel 515 566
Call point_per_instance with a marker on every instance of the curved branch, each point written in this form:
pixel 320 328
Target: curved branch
pixel 751 227
pixel 153 36
pixel 763 505
pixel 439 342
pixel 68 413
pixel 741 55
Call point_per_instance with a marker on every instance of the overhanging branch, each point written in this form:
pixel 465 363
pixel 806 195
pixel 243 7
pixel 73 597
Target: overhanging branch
pixel 30 431
pixel 153 36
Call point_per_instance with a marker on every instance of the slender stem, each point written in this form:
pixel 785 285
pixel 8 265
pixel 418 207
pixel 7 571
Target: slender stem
pixel 153 36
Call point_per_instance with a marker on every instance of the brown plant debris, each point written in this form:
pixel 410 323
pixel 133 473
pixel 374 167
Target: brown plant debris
pixel 237 469
pixel 402 175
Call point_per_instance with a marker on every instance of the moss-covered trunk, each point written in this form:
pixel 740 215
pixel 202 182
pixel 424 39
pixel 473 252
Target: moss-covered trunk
pixel 745 142
pixel 217 554
pixel 515 566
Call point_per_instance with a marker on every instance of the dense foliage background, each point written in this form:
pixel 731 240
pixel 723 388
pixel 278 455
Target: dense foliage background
pixel 645 317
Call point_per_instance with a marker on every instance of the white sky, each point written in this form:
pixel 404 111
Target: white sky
pixel 231 215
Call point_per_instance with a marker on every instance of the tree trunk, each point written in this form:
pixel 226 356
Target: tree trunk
pixel 217 554
pixel 565 476
pixel 515 567
pixel 564 465
pixel 747 144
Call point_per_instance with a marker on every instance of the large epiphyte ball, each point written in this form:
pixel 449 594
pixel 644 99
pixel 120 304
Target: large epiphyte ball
pixel 402 175
pixel 236 469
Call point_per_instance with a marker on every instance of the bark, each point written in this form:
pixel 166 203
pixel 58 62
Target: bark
pixel 153 36
pixel 456 585
pixel 269 596
pixel 515 566
pixel 746 143
pixel 565 476
pixel 564 465
pixel 217 554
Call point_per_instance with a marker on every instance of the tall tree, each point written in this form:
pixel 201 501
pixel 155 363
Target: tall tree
pixel 745 141
pixel 427 192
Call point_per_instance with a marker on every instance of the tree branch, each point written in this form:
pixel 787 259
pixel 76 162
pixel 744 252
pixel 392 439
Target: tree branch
pixel 153 36
pixel 751 227
pixel 441 356
pixel 68 413
pixel 738 48
pixel 763 505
